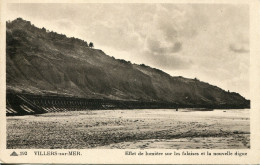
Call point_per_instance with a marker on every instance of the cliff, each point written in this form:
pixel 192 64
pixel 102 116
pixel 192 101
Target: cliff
pixel 47 63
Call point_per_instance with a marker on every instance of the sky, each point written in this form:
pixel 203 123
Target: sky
pixel 206 41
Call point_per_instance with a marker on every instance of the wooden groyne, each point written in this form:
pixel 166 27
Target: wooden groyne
pixel 30 104
pixel 26 104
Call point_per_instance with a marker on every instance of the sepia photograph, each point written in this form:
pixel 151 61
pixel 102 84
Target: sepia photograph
pixel 127 76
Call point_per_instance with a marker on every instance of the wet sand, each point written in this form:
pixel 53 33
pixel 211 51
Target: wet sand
pixel 150 128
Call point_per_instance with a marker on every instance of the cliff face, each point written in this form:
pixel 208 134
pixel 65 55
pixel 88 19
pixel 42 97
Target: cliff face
pixel 42 62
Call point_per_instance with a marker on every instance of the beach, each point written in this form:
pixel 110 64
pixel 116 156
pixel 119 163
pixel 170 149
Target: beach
pixel 133 129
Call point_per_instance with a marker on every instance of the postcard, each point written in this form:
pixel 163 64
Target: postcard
pixel 130 82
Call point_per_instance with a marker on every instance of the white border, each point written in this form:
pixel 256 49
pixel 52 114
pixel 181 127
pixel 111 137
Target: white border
pixel 107 156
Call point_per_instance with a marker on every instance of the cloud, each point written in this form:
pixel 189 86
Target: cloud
pixel 155 46
pixel 177 47
pixel 166 62
pixel 238 48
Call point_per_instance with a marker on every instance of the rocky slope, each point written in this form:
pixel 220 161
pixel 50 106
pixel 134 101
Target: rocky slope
pixel 46 63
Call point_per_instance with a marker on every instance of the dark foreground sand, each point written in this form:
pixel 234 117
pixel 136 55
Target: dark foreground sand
pixel 163 129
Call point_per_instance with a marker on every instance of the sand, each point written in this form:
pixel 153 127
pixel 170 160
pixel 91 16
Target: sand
pixel 122 129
